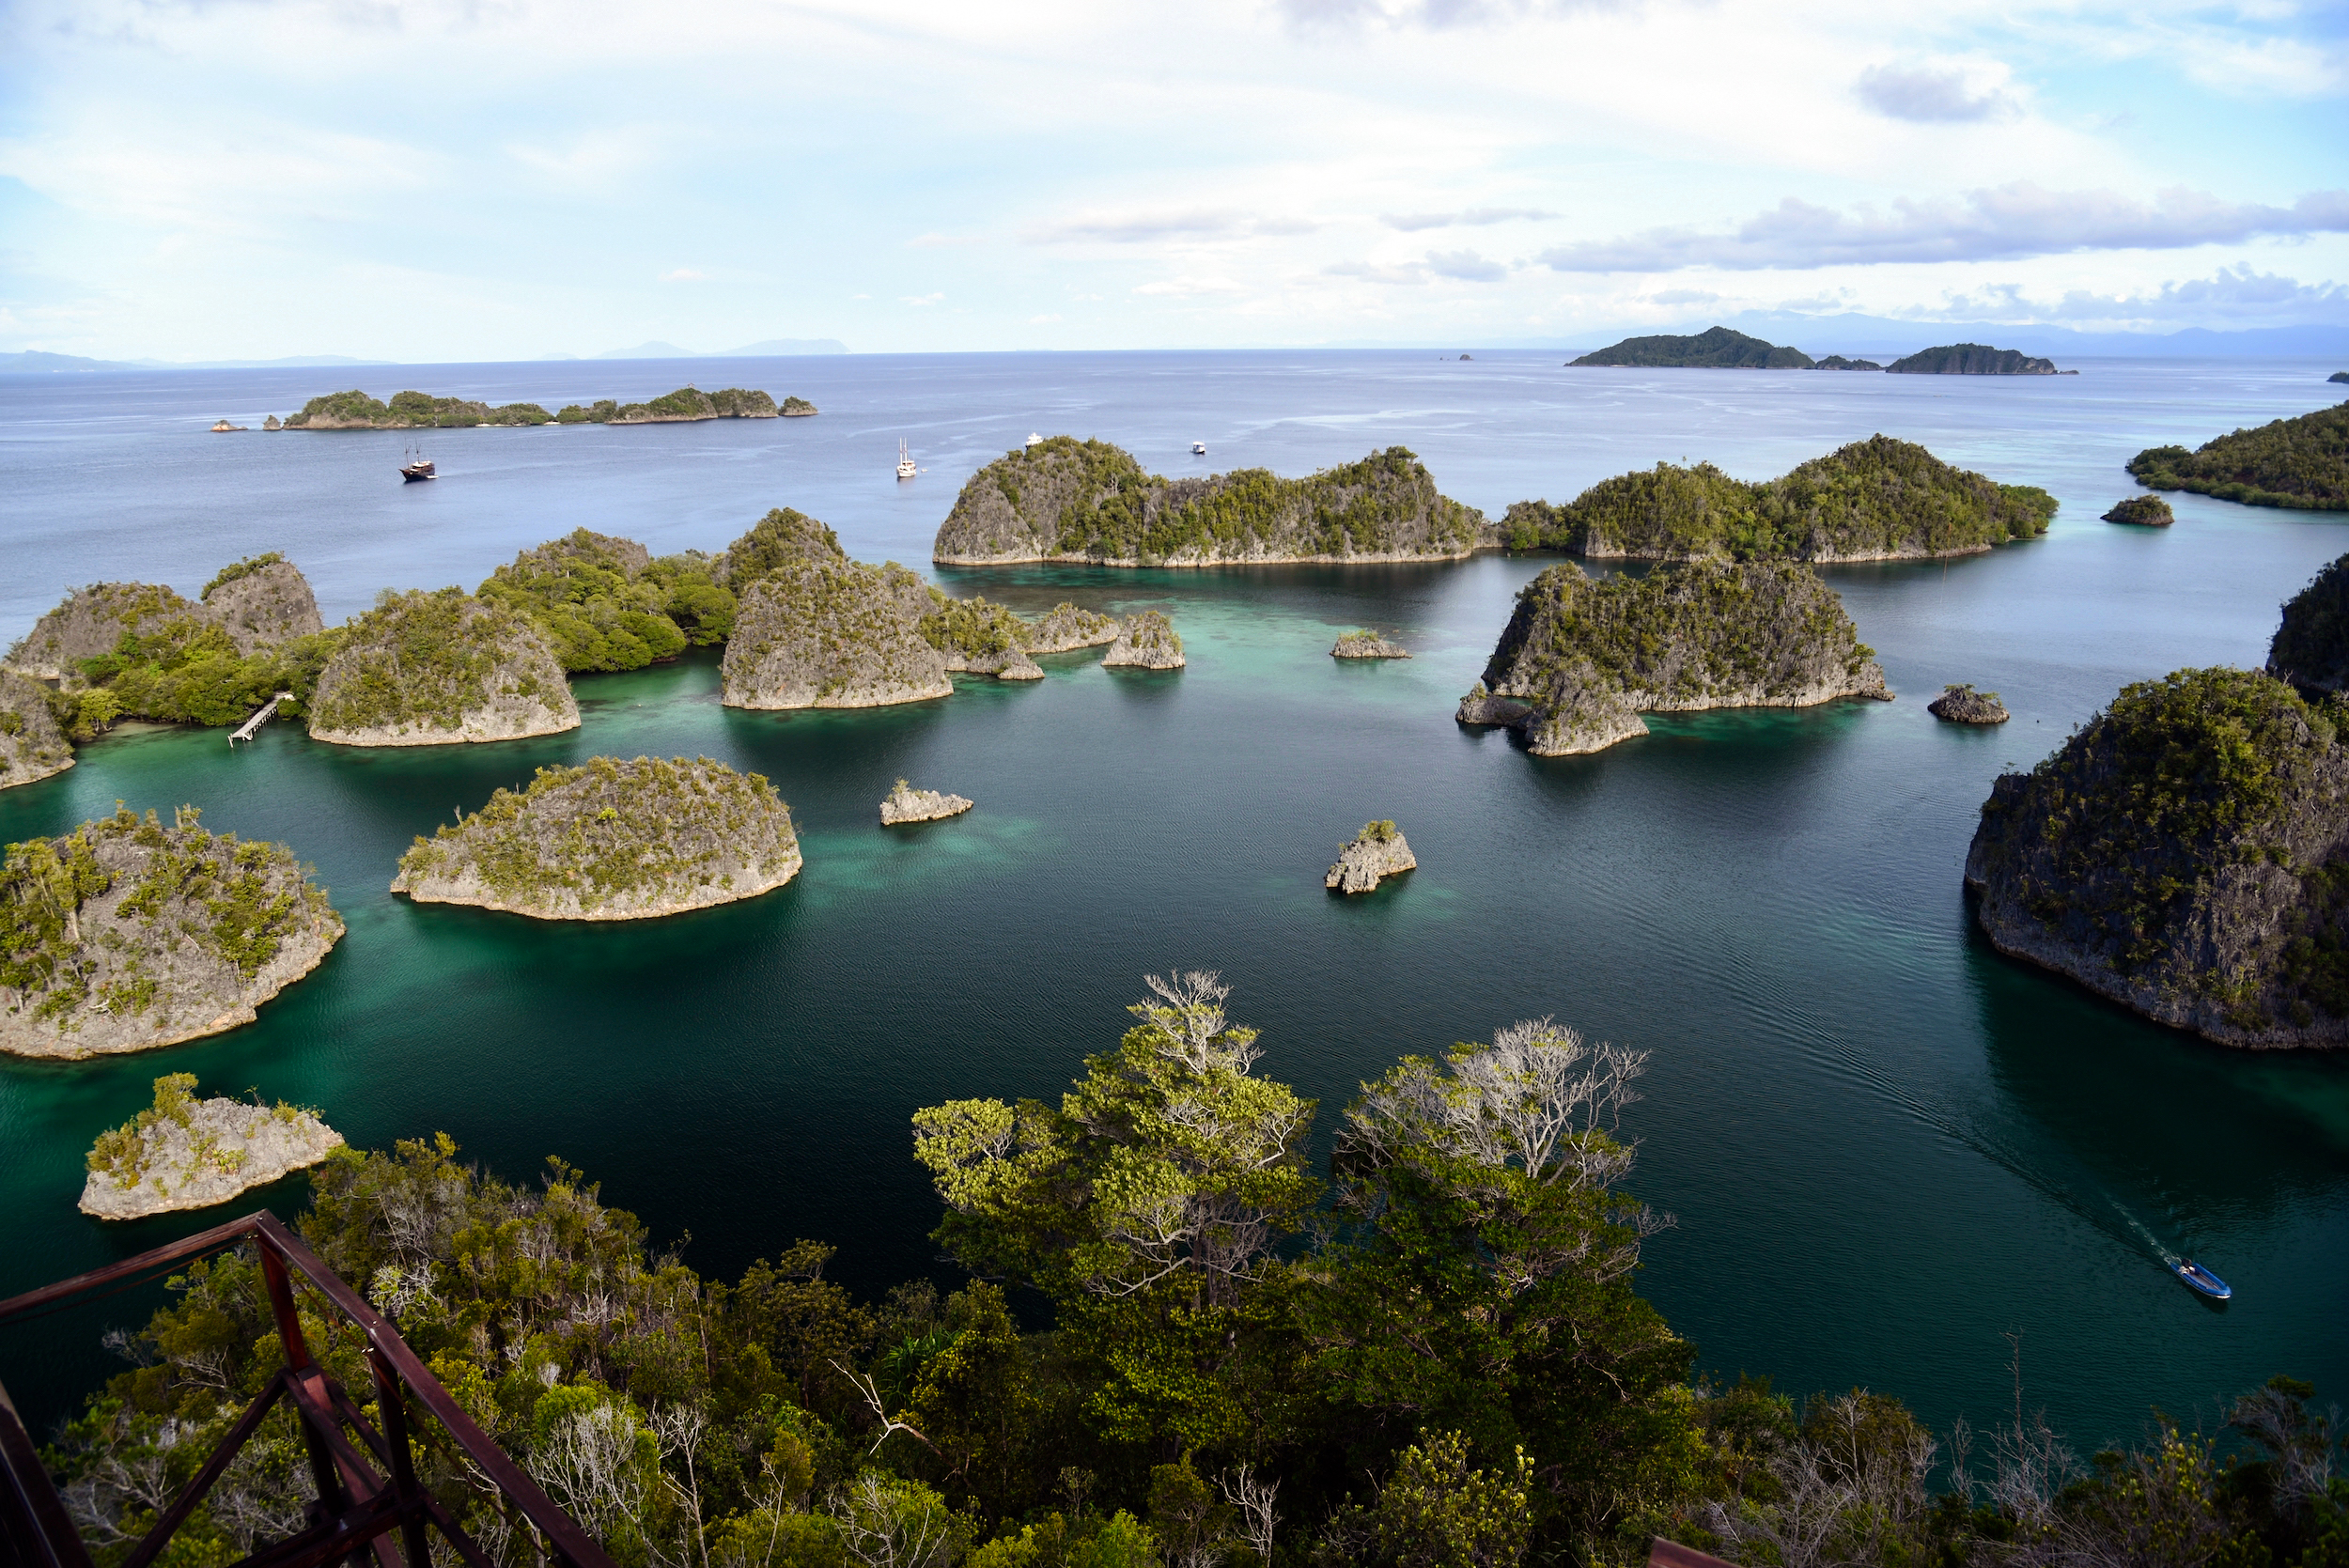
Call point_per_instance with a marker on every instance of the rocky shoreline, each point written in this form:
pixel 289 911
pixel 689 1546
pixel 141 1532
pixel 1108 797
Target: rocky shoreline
pixel 189 1154
pixel 907 804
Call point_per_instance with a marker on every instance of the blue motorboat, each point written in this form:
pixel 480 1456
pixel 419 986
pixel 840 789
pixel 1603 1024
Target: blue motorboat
pixel 2202 1281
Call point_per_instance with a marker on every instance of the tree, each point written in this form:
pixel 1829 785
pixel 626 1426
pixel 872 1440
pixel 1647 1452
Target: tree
pixel 1148 1207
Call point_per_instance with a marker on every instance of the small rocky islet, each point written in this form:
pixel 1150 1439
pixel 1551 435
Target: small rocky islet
pixel 182 1152
pixel 907 804
pixel 1581 659
pixel 610 840
pixel 127 934
pixel 1960 704
pixel 1367 643
pixel 1379 850
pixel 1146 641
pixel 2145 511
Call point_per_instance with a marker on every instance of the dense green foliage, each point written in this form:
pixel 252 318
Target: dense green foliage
pixel 1837 361
pixel 426 657
pixel 798 406
pixel 2301 463
pixel 784 537
pixel 412 411
pixel 2310 647
pixel 685 403
pixel 2148 511
pixel 1877 497
pixel 1716 348
pixel 971 626
pixel 238 569
pixel 582 840
pixel 701 606
pixel 1970 358
pixel 235 901
pixel 594 598
pixel 187 671
pixel 1450 1370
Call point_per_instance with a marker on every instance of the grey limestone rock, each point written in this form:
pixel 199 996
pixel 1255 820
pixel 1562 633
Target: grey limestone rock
pixel 264 604
pixel 440 668
pixel 908 804
pixel 833 634
pixel 1378 850
pixel 1146 641
pixel 1367 643
pixel 1068 628
pixel 135 935
pixel 206 1154
pixel 91 622
pixel 1963 705
pixel 32 746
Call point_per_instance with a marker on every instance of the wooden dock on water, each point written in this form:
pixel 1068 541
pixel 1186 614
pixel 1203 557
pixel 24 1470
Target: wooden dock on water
pixel 252 726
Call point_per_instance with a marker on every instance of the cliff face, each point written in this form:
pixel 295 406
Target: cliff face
pixel 611 840
pixel 190 1154
pixel 263 601
pixel 2185 854
pixel 819 633
pixel 90 624
pixel 1874 500
pixel 32 747
pixel 978 637
pixel 784 537
pixel 1367 643
pixel 2310 648
pixel 1146 641
pixel 436 669
pixel 1970 358
pixel 1584 658
pixel 126 935
pixel 1089 502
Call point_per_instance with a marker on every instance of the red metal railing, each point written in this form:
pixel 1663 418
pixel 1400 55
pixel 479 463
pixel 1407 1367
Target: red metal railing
pixel 365 1478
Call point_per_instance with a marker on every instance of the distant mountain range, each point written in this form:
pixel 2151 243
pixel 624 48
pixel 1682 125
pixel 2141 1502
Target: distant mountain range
pixel 770 349
pixel 1886 338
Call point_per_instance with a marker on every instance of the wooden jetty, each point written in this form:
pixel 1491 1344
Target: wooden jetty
pixel 252 726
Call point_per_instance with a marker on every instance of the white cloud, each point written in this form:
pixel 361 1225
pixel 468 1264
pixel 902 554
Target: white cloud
pixel 1459 265
pixel 1928 95
pixel 684 274
pixel 919 299
pixel 1465 266
pixel 1411 223
pixel 1146 227
pixel 2011 222
pixel 2233 295
pixel 1187 288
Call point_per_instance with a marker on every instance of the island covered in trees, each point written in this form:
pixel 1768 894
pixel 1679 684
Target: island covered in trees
pixel 1580 660
pixel 182 1152
pixel 1715 348
pixel 1876 500
pixel 412 411
pixel 1089 502
pixel 2301 463
pixel 1970 358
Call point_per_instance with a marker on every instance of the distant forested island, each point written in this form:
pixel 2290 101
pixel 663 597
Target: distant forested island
pixel 410 411
pixel 1090 501
pixel 2300 463
pixel 1876 500
pixel 1970 358
pixel 1715 348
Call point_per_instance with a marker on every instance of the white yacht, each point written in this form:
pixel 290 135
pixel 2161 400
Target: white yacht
pixel 1035 440
pixel 905 461
pixel 1198 448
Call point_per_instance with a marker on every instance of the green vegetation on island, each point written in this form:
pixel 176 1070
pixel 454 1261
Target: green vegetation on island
pixel 428 668
pixel 797 407
pixel 1970 358
pixel 1427 1352
pixel 1581 659
pixel 611 840
pixel 1878 499
pixel 2182 854
pixel 595 600
pixel 408 411
pixel 686 405
pixel 979 637
pixel 2301 463
pixel 1066 500
pixel 818 632
pixel 127 934
pixel 2310 648
pixel 182 1152
pixel 34 744
pixel 1837 361
pixel 1715 348
pixel 2145 511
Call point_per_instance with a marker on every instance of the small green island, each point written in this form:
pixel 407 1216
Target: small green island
pixel 1146 641
pixel 979 637
pixel 422 410
pixel 438 668
pixel 127 934
pixel 1970 359
pixel 611 840
pixel 1581 659
pixel 816 629
pixel 1837 361
pixel 1876 500
pixel 2302 464
pixel 2144 511
pixel 1715 348
pixel 182 1152
pixel 1090 503
pixel 1366 644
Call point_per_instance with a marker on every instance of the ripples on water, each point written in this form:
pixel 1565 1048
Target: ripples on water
pixel 1885 1143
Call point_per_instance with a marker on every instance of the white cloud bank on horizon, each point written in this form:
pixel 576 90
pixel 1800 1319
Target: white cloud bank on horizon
pixel 250 178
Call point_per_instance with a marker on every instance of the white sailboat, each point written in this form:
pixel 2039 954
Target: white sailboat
pixel 1035 440
pixel 1198 448
pixel 905 461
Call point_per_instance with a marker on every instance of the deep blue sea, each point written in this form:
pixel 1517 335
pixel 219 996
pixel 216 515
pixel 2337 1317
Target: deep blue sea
pixel 1886 1146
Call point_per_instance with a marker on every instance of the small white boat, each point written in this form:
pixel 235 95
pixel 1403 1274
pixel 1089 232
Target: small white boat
pixel 1035 440
pixel 905 461
pixel 1198 448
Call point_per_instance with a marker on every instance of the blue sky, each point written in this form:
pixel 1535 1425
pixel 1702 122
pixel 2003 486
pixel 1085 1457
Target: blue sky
pixel 507 179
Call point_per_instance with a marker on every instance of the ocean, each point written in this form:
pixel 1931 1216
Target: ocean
pixel 1885 1146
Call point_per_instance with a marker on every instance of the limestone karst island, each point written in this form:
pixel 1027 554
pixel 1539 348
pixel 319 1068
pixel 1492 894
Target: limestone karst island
pixel 182 1152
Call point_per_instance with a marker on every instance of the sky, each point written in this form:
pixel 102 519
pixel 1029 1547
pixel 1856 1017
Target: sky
pixel 486 179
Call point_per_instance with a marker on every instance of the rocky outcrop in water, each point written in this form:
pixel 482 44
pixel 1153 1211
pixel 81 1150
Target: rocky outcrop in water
pixel 1068 628
pixel 1963 705
pixel 1837 361
pixel 184 1153
pixel 2187 855
pixel 1970 358
pixel 439 669
pixel 407 410
pixel 127 934
pixel 1090 503
pixel 979 637
pixel 908 804
pixel 1581 659
pixel 1378 850
pixel 611 840
pixel 1146 641
pixel 1367 645
pixel 2148 511
pixel 32 746
pixel 2310 648
pixel 263 601
pixel 833 634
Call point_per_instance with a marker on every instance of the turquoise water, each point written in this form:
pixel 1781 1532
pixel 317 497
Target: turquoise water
pixel 1886 1145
